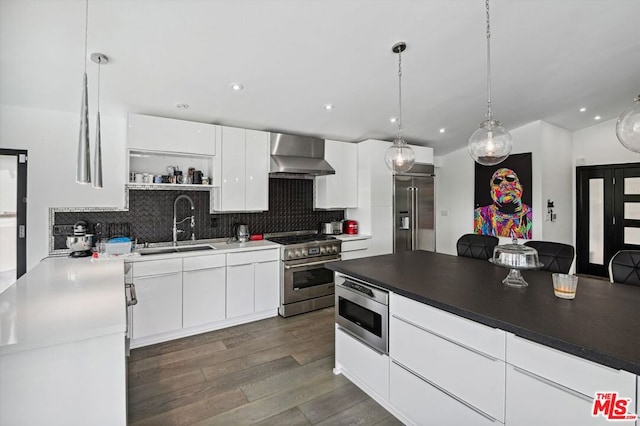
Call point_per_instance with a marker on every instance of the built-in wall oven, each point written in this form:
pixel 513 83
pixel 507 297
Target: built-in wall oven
pixel 362 310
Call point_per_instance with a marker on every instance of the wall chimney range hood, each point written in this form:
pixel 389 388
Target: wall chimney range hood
pixel 295 156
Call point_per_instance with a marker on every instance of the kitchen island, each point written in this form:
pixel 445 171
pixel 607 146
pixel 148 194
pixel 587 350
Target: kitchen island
pixel 62 344
pixel 508 355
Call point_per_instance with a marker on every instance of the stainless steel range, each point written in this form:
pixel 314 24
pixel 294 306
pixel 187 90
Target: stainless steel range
pixel 305 284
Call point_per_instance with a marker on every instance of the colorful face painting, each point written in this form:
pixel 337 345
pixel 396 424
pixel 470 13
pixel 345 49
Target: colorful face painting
pixel 508 216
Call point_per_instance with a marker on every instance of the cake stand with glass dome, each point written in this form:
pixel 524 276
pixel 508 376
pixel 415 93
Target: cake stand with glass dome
pixel 515 257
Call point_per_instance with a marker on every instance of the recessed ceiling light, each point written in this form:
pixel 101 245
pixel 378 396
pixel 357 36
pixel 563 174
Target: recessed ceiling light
pixel 442 130
pixel 328 107
pixel 597 117
pixel 393 119
pixel 236 86
pixel 182 106
pixel 583 109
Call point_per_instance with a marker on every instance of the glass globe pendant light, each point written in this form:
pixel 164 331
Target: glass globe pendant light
pixel 628 127
pixel 491 143
pixel 400 156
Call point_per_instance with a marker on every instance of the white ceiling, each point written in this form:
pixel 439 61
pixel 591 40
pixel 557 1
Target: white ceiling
pixel 549 58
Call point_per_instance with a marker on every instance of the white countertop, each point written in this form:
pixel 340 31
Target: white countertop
pixel 62 300
pixel 220 248
pixel 352 237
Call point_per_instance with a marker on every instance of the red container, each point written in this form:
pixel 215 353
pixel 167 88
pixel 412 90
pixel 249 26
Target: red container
pixel 256 237
pixel 350 227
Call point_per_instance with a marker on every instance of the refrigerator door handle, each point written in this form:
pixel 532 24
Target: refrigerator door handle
pixel 414 218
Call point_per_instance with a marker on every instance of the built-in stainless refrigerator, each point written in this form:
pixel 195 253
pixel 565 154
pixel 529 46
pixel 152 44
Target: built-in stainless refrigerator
pixel 413 209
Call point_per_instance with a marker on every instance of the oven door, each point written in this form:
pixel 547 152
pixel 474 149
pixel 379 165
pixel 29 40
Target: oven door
pixel 307 278
pixel 363 317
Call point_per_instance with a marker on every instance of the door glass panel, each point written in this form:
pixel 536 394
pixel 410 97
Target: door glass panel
pixel 596 221
pixel 632 235
pixel 632 211
pixel 8 219
pixel 632 186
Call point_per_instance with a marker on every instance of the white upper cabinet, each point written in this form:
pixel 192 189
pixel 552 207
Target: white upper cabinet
pixel 340 190
pixel 169 135
pixel 242 183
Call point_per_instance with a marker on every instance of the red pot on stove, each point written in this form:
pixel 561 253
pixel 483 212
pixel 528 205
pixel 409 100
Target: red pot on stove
pixel 350 227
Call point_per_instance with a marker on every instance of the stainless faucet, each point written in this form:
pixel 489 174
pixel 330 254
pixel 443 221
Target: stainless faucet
pixel 175 222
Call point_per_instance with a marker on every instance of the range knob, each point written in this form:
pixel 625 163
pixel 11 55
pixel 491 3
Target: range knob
pixel 298 253
pixel 290 254
pixel 335 249
pixel 304 253
pixel 323 250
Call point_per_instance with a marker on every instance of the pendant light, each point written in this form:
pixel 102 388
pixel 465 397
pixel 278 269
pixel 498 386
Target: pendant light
pixel 83 166
pixel 628 127
pixel 99 59
pixel 491 143
pixel 400 156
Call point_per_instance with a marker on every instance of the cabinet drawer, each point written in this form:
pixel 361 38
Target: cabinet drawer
pixel 203 262
pixel 568 370
pixel 470 375
pixel 355 245
pixel 157 267
pixel 425 404
pixel 363 363
pixel 534 401
pixel 466 332
pixel 243 258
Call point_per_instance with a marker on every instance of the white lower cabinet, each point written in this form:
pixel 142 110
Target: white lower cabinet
pixel 533 400
pixel 423 404
pixel 160 304
pixel 179 297
pixel 267 285
pixel 361 363
pixel 203 290
pixel 253 282
pixel 354 249
pixel 547 386
pixel 240 290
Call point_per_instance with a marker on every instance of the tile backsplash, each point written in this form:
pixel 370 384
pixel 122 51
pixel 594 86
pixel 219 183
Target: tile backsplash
pixel 150 214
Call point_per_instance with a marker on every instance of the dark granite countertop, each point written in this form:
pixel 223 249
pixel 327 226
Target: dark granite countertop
pixel 601 324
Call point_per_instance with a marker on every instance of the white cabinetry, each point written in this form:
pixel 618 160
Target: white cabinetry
pixel 242 170
pixel 546 386
pixel 354 247
pixel 424 404
pixel 340 190
pixel 203 290
pixel 362 365
pixel 159 290
pixel 253 282
pixel 461 358
pixel 154 143
pixel 165 134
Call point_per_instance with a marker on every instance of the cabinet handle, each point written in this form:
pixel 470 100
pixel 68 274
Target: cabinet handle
pixel 158 275
pixel 492 358
pixel 132 290
pixel 554 384
pixel 302 265
pixel 446 392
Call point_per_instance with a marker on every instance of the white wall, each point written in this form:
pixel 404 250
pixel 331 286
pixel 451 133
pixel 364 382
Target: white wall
pixel 51 138
pixel 599 145
pixel 455 186
pixel 557 183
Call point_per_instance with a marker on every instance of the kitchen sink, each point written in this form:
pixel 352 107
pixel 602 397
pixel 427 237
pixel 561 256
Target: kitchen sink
pixel 166 250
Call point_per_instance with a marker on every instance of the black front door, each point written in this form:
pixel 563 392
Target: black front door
pixel 13 215
pixel 608 214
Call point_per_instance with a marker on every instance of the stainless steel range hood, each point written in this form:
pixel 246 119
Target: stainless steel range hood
pixel 298 156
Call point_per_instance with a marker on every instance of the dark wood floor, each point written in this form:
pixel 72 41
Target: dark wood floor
pixel 272 372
